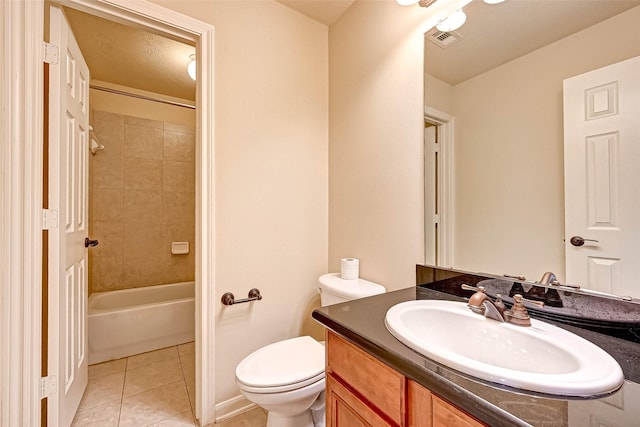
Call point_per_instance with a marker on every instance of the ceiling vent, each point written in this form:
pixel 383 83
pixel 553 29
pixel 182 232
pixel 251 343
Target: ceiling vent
pixel 443 39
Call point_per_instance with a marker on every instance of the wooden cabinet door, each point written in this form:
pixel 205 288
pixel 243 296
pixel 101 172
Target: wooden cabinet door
pixel 447 415
pixel 419 409
pixel 344 409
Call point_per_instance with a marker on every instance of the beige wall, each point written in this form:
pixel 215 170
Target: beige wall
pixel 376 155
pixel 271 171
pixel 142 198
pixel 509 151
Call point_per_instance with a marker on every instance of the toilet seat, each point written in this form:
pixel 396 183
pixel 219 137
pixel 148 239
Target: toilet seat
pixel 282 366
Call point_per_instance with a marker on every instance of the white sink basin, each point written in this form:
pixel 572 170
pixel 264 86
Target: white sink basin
pixel 541 358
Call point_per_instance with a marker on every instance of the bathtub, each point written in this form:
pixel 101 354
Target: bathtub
pixel 131 321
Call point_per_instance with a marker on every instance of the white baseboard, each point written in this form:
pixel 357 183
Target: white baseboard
pixel 232 407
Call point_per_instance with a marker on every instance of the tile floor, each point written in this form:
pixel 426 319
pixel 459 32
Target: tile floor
pixel 149 389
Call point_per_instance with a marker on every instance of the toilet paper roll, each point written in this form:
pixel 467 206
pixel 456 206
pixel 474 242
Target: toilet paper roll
pixel 349 268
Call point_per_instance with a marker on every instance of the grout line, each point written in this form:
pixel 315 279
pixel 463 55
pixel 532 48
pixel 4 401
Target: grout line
pixel 124 380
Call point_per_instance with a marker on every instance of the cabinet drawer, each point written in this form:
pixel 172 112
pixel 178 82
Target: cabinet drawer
pixel 344 409
pixel 374 381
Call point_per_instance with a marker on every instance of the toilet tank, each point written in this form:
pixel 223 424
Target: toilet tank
pixel 334 290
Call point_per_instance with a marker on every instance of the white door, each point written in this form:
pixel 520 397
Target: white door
pixel 68 177
pixel 602 178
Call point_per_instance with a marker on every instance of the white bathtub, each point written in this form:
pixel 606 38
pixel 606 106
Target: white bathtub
pixel 131 321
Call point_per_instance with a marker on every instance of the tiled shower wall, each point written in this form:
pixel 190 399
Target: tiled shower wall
pixel 142 198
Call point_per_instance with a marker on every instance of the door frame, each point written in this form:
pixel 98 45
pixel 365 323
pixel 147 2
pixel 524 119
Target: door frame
pixel 446 186
pixel 21 180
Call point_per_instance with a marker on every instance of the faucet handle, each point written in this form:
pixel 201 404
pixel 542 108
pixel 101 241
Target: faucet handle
pixel 518 314
pixel 476 300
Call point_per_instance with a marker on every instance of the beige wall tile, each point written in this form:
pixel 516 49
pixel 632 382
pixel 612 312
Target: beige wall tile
pixel 143 253
pixel 179 146
pixel 107 204
pixel 107 273
pixel 130 214
pixel 143 142
pixel 109 128
pixel 179 176
pixel 179 128
pixel 142 206
pixel 111 238
pixel 107 169
pixel 138 121
pixel 143 174
pixel 178 207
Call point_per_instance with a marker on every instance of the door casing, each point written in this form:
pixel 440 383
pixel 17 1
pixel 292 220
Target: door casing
pixel 21 173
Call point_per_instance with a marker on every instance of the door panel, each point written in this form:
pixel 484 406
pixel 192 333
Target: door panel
pixel 68 176
pixel 602 146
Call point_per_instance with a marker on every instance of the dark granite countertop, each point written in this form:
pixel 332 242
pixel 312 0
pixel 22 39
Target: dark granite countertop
pixel 362 322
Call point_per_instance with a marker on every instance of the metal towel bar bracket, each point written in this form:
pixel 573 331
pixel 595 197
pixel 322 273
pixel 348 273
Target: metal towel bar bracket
pixel 229 299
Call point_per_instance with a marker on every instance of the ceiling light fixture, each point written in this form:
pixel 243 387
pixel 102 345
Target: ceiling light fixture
pixel 452 22
pixel 493 1
pixel 191 68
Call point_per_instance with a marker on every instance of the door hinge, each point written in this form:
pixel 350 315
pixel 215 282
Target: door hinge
pixel 436 219
pixel 49 219
pixel 48 386
pixel 50 53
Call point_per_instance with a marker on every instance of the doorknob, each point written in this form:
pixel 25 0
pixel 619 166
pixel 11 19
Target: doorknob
pixel 88 242
pixel 579 241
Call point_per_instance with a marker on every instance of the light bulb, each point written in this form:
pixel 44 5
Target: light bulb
pixel 452 22
pixel 191 68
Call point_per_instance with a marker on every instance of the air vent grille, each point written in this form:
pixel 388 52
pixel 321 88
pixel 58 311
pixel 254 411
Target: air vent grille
pixel 443 39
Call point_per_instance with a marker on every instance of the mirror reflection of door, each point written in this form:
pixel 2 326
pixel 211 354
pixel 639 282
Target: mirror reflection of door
pixel 505 95
pixel 601 155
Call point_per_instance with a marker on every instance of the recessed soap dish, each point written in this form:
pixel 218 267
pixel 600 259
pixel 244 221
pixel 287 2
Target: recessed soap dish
pixel 179 248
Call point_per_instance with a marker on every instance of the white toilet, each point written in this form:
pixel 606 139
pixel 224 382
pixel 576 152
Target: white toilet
pixel 287 377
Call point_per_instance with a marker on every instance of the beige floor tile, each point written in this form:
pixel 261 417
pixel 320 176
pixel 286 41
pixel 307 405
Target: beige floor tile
pixel 188 363
pixel 154 406
pixel 107 368
pixel 253 418
pixel 105 415
pixel 183 420
pixel 144 359
pixel 152 376
pixel 103 390
pixel 187 348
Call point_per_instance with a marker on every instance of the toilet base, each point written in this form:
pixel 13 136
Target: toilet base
pixel 304 419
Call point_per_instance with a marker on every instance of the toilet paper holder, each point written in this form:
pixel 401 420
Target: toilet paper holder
pixel 229 299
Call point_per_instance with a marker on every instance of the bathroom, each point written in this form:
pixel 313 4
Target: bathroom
pixel 259 227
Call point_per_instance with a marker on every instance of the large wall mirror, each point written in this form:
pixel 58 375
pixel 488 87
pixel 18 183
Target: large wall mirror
pixel 499 81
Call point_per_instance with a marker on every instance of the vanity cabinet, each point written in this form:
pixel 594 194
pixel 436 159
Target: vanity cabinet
pixel 362 391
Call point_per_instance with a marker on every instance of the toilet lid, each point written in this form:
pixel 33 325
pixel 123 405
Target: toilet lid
pixel 289 362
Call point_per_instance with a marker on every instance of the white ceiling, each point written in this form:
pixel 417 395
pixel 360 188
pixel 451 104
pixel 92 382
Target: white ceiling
pixel 492 35
pixel 324 11
pixel 496 34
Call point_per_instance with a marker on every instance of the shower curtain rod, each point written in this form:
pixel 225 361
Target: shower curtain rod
pixel 147 98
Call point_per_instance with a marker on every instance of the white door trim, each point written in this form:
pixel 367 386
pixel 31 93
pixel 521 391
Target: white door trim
pixel 21 80
pixel 21 198
pixel 446 182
